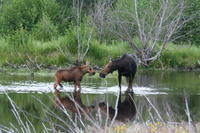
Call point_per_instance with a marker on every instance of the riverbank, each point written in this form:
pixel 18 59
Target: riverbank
pixel 37 55
pixel 179 57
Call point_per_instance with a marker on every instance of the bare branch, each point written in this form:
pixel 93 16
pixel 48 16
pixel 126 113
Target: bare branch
pixel 153 25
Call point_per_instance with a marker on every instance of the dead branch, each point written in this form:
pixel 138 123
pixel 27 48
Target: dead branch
pixel 153 26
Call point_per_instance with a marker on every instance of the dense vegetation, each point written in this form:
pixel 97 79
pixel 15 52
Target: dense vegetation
pixel 45 33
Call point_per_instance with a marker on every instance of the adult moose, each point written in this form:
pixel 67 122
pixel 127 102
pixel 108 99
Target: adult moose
pixel 73 74
pixel 126 66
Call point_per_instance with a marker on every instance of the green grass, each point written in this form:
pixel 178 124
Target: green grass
pixel 63 51
pixel 100 53
pixel 57 52
pixel 179 56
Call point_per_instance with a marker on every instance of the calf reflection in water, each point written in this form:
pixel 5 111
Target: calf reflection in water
pixel 126 110
pixel 74 105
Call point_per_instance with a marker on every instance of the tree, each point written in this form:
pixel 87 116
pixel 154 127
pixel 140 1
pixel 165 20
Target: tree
pixel 146 25
pixel 83 32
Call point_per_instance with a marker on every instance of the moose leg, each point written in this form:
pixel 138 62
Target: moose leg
pixel 119 79
pixel 130 84
pixel 79 85
pixel 119 102
pixel 55 86
pixel 57 82
pixel 61 85
pixel 75 86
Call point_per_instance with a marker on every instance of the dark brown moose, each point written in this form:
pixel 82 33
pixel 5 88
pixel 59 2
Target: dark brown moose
pixel 73 74
pixel 126 110
pixel 74 105
pixel 126 66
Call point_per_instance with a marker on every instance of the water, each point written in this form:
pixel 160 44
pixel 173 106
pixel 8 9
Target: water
pixel 155 91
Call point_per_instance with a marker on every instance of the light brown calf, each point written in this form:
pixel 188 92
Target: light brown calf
pixel 73 74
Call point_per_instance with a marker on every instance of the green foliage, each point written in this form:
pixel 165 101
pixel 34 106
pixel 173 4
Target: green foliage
pixel 102 52
pixel 77 37
pixel 190 31
pixel 45 30
pixel 25 13
pixel 19 38
pixel 48 32
pixel 179 56
pixel 70 41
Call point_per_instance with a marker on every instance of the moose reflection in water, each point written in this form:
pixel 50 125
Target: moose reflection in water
pixel 74 104
pixel 126 110
pixel 73 74
pixel 126 66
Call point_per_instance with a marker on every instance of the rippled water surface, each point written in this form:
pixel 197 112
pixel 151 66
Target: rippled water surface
pixel 167 91
pixel 145 83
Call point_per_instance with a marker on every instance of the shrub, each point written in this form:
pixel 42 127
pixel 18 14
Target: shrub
pixel 190 31
pixel 102 52
pixel 77 37
pixel 176 56
pixel 45 30
pixel 19 38
pixel 25 13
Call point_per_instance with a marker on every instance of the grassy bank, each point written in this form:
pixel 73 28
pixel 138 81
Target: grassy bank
pixel 179 57
pixel 43 34
pixel 62 52
pixel 55 53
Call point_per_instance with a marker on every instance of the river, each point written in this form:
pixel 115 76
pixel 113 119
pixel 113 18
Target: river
pixel 159 94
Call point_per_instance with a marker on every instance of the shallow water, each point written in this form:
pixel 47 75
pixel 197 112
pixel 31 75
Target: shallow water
pixel 166 91
pixel 145 83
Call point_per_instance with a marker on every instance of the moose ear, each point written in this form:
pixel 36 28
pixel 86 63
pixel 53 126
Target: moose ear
pixel 87 63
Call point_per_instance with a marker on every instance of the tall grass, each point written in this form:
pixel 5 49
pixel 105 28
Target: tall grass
pixel 179 56
pixel 17 52
pixel 102 52
pixel 57 52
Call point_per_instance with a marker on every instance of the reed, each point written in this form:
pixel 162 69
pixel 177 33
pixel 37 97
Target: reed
pixel 64 121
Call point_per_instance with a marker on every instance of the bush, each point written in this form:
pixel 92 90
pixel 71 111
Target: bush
pixel 102 52
pixel 45 30
pixel 176 56
pixel 25 13
pixel 19 38
pixel 77 37
pixel 190 31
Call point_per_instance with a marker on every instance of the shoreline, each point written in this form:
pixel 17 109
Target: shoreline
pixel 53 70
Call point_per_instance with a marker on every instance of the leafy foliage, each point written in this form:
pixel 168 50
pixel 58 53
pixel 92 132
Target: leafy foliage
pixel 25 13
pixel 190 32
pixel 45 30
pixel 49 28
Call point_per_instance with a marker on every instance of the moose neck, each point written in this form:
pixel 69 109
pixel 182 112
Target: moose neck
pixel 114 66
pixel 83 70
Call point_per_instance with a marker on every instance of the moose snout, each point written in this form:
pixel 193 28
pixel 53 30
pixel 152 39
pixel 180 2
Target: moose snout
pixel 102 75
pixel 92 73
